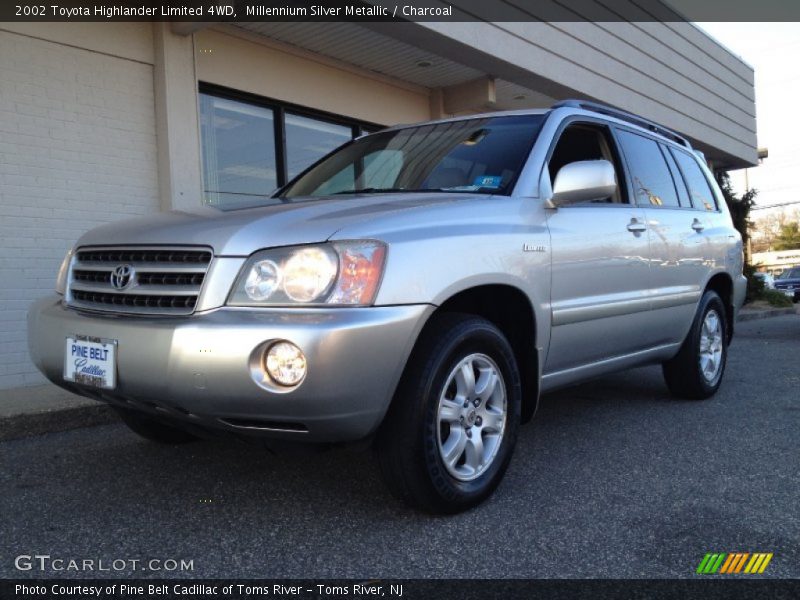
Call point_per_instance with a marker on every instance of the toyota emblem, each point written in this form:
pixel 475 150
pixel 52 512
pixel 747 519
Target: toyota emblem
pixel 121 276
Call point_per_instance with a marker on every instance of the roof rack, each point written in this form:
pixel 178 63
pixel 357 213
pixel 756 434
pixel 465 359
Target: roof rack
pixel 624 116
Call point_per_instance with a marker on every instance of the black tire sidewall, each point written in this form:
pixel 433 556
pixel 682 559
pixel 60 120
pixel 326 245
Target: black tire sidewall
pixel 710 301
pixel 476 336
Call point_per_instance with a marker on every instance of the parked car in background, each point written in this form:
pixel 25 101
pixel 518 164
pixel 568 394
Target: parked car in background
pixel 788 282
pixel 769 280
pixel 418 288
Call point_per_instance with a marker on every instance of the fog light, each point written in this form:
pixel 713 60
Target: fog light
pixel 285 363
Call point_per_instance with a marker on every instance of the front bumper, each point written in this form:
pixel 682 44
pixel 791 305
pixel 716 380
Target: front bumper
pixel 793 294
pixel 199 369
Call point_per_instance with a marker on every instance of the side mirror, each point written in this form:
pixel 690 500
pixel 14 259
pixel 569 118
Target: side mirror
pixel 583 181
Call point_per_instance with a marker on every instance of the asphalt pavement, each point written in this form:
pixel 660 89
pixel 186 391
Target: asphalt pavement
pixel 612 479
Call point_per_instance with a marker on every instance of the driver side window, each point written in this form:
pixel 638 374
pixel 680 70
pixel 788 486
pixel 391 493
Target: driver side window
pixel 585 141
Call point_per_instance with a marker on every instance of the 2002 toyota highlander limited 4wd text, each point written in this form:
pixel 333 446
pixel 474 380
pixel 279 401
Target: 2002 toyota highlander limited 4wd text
pixel 418 288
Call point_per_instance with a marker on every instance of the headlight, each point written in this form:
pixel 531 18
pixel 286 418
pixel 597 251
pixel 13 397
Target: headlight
pixel 63 272
pixel 263 280
pixel 341 273
pixel 308 273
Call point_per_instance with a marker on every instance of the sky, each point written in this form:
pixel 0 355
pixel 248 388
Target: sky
pixel 773 50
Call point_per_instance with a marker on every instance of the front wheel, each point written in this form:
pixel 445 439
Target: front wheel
pixel 696 371
pixel 450 432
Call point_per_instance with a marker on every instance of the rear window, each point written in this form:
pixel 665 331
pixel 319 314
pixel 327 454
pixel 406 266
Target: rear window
pixel 699 190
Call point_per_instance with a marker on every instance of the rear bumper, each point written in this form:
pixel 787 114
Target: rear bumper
pixel 739 293
pixel 793 294
pixel 203 369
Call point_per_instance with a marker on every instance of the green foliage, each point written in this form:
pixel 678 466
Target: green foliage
pixel 776 298
pixel 789 237
pixel 755 286
pixel 738 207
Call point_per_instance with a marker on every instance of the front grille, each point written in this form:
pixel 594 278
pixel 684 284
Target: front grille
pixel 160 280
pixel 148 255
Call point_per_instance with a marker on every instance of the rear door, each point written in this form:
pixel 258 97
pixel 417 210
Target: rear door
pixel 679 249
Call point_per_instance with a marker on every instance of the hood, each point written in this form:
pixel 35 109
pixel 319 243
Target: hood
pixel 793 281
pixel 276 222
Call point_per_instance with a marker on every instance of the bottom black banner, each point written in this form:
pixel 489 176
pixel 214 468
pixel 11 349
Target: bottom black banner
pixel 406 589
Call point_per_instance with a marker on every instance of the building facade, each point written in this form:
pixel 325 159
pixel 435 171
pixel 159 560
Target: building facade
pixel 105 121
pixel 776 262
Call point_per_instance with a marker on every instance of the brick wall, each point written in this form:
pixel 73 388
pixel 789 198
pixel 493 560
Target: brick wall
pixel 77 149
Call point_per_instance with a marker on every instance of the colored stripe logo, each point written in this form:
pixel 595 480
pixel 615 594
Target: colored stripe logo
pixel 734 562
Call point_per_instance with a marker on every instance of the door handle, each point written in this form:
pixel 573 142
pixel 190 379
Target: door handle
pixel 697 225
pixel 636 225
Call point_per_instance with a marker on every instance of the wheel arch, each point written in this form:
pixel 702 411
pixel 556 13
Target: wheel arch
pixel 511 311
pixel 722 284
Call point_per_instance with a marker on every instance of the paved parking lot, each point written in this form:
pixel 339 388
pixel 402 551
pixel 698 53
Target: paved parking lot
pixel 613 479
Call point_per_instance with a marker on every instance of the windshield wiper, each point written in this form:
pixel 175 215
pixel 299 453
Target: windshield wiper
pixel 371 190
pixel 376 190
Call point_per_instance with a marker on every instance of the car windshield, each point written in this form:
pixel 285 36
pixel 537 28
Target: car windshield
pixel 483 155
pixel 790 274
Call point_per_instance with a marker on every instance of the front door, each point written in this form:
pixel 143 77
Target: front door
pixel 601 271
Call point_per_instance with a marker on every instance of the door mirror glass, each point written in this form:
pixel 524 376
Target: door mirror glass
pixel 584 181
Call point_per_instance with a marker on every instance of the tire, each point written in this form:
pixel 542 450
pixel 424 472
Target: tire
pixel 695 373
pixel 154 430
pixel 424 423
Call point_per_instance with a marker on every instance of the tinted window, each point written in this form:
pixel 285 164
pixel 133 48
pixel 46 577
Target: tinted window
pixel 575 144
pixel 652 181
pixel 699 190
pixel 677 178
pixel 581 142
pixel 470 155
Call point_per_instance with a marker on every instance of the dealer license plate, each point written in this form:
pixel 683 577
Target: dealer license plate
pixel 91 361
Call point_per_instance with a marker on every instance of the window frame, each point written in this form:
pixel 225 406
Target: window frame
pixel 658 141
pixel 711 187
pixel 279 110
pixel 619 159
pixel 678 178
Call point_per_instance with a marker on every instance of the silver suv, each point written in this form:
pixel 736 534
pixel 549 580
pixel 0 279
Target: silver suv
pixel 418 288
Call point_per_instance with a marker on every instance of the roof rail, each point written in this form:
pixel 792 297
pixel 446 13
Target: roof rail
pixel 624 116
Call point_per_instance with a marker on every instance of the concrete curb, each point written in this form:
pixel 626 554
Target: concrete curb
pixel 48 409
pixel 62 419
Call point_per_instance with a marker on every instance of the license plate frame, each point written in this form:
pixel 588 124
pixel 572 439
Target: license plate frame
pixel 94 366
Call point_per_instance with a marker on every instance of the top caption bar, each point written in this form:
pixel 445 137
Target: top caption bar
pixel 366 11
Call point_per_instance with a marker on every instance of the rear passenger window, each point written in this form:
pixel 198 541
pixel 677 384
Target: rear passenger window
pixel 699 190
pixel 652 181
pixel 677 178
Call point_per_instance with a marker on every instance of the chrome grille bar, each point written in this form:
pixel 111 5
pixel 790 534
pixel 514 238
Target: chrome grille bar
pixel 164 280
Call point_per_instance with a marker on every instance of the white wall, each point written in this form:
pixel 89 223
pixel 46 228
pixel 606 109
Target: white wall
pixel 77 149
pixel 239 62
